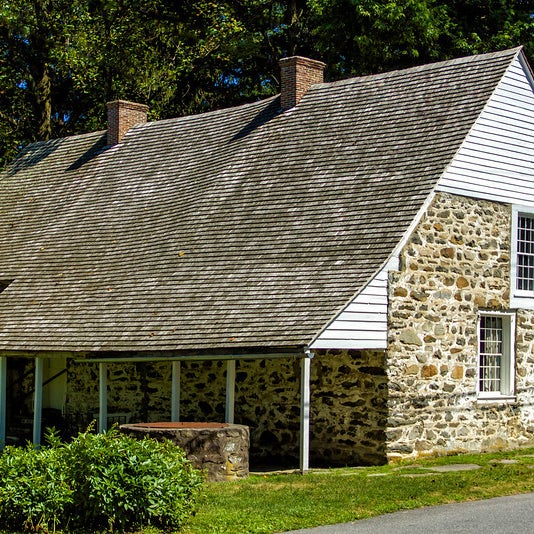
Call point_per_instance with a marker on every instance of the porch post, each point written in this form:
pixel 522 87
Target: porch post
pixel 103 398
pixel 175 392
pixel 304 452
pixel 3 401
pixel 38 401
pixel 230 391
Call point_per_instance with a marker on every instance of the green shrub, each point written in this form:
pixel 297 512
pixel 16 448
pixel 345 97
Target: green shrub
pixel 34 490
pixel 97 481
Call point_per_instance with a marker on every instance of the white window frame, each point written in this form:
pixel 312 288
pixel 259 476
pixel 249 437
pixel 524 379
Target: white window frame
pixel 519 298
pixel 507 368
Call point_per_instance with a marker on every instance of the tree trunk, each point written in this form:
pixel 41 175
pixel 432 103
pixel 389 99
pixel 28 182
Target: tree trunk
pixel 43 102
pixel 293 20
pixel 40 72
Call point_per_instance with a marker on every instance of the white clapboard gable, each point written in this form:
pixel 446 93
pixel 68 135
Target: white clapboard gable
pixel 363 322
pixel 496 160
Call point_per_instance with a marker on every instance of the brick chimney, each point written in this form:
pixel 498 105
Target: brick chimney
pixel 122 115
pixel 297 75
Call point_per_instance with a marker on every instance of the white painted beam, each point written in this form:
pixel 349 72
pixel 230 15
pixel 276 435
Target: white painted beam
pixel 3 401
pixel 175 392
pixel 103 398
pixel 38 401
pixel 191 357
pixel 304 452
pixel 230 391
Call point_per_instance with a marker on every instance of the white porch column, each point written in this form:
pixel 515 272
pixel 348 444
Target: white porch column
pixel 38 401
pixel 230 391
pixel 3 400
pixel 304 452
pixel 175 392
pixel 103 398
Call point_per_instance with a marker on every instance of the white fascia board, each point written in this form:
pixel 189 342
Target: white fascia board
pixel 342 344
pixel 394 263
pixel 526 68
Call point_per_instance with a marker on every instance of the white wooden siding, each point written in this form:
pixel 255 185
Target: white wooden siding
pixel 363 323
pixel 496 160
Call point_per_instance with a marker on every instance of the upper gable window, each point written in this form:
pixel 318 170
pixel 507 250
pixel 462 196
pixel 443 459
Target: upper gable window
pixel 522 261
pixel 525 253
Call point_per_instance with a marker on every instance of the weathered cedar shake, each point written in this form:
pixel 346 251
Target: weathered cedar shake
pixel 297 75
pixel 239 229
pixel 122 115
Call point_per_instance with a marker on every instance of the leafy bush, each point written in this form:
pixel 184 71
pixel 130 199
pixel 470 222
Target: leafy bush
pixel 34 489
pixel 97 481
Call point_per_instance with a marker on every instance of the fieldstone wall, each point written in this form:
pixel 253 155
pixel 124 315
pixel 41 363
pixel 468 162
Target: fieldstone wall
pixel 456 263
pixel 348 402
pixel 348 408
pixel 143 390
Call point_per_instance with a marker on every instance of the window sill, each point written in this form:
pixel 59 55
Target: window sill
pixel 496 399
pixel 524 301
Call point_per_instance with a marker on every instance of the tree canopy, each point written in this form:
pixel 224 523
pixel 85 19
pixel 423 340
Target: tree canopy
pixel 62 60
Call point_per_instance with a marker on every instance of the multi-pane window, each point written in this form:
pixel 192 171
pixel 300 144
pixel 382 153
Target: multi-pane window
pixel 495 355
pixel 491 353
pixel 525 253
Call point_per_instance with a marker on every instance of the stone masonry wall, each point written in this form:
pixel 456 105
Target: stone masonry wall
pixel 144 391
pixel 456 264
pixel 349 408
pixel 348 404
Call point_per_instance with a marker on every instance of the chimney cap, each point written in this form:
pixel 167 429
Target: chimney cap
pixel 127 104
pixel 301 60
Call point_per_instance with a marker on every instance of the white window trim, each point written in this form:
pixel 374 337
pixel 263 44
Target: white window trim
pixel 507 393
pixel 518 298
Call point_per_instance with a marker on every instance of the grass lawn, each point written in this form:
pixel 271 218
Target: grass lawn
pixel 280 502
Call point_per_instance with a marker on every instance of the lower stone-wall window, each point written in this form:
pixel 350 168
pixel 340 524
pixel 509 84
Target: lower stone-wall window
pixel 496 355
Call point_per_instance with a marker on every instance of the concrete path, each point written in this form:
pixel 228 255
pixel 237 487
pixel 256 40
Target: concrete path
pixel 502 515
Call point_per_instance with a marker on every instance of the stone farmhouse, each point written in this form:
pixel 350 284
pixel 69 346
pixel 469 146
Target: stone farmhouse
pixel 346 268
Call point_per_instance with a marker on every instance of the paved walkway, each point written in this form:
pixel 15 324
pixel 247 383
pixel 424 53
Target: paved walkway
pixel 502 515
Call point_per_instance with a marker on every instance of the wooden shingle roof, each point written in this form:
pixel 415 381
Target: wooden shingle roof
pixel 241 228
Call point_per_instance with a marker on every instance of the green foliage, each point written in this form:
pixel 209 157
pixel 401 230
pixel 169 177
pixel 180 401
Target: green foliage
pixel 34 488
pixel 62 60
pixel 96 482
